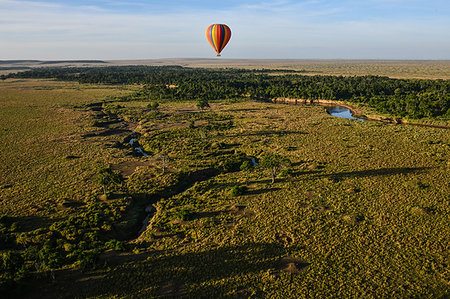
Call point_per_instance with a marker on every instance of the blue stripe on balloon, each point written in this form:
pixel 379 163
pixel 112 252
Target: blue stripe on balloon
pixel 222 34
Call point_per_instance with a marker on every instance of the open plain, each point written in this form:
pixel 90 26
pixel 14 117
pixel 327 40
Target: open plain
pixel 361 209
pixel 423 69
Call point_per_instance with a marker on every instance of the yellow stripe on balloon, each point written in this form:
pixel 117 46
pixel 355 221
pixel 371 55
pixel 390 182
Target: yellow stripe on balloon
pixel 215 38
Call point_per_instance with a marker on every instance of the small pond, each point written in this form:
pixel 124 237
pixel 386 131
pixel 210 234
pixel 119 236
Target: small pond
pixel 137 148
pixel 340 111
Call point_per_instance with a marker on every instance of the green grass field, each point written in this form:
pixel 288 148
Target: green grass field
pixel 40 134
pixel 362 211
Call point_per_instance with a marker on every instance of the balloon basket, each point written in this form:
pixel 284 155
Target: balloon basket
pixel 218 55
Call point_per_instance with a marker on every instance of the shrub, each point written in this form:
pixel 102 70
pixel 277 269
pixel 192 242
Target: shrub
pixel 202 104
pixel 246 165
pixel 12 269
pixel 87 260
pixel 115 245
pixel 184 214
pixel 153 106
pixel 238 190
pixel 51 258
pixel 286 172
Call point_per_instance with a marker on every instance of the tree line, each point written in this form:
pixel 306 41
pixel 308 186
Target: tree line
pixel 412 98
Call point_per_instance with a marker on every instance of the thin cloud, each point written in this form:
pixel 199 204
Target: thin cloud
pixel 27 4
pixel 277 29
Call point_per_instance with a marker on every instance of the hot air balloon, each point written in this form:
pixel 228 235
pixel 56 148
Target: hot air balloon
pixel 218 36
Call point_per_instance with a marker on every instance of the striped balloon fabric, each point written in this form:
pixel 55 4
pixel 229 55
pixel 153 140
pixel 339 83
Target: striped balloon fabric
pixel 218 36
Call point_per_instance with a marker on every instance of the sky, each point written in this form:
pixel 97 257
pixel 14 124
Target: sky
pixel 283 29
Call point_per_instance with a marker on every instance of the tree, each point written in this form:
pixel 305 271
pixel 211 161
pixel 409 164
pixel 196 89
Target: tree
pixel 164 157
pixel 107 177
pixel 203 103
pixel 273 162
pixel 12 267
pixel 153 106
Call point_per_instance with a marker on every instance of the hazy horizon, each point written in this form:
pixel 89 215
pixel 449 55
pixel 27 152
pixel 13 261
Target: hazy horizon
pixel 138 30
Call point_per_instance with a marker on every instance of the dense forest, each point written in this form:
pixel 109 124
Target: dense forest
pixel 412 98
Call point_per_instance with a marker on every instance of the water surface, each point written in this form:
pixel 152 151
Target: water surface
pixel 343 112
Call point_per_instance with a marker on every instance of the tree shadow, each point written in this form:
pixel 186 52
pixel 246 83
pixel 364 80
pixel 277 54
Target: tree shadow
pixel 231 145
pixel 208 214
pixel 230 185
pixel 31 223
pixel 245 110
pixel 111 132
pixel 200 274
pixel 283 179
pixel 106 123
pixel 264 181
pixel 108 132
pixel 373 172
pixel 293 164
pixel 192 177
pixel 299 173
pixel 261 191
pixel 72 157
pixel 265 133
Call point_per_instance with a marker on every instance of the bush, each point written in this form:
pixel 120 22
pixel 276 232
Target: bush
pixel 246 165
pixel 184 214
pixel 12 269
pixel 87 260
pixel 229 163
pixel 51 258
pixel 115 245
pixel 153 106
pixel 238 190
pixel 202 104
pixel 286 172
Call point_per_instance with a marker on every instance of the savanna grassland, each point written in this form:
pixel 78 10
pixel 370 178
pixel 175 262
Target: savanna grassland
pixel 357 209
pixel 425 69
pixel 391 68
pixel 43 157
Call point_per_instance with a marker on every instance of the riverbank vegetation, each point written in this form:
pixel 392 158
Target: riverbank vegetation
pixel 411 98
pixel 359 208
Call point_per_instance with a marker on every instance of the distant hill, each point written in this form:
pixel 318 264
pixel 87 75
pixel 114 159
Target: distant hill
pixel 9 66
pixel 2 62
pixel 14 68
pixel 71 61
pixel 18 61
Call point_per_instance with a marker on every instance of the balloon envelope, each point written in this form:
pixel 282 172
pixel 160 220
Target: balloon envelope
pixel 218 36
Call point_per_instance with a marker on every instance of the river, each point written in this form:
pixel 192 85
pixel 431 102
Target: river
pixel 343 112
